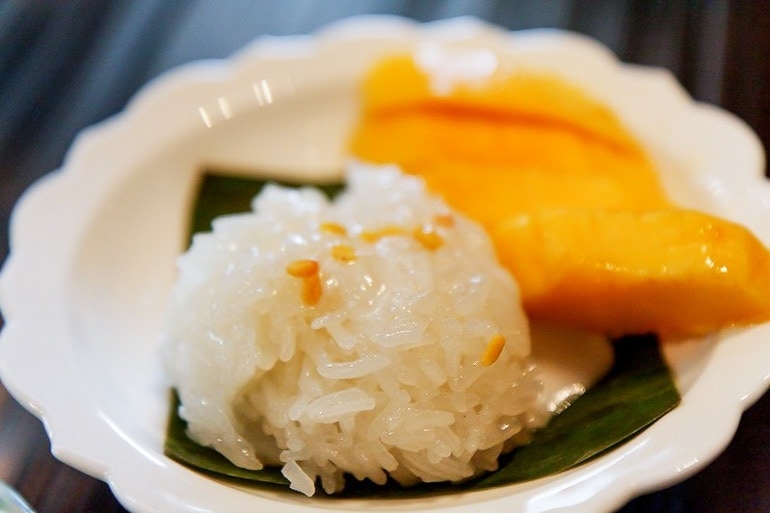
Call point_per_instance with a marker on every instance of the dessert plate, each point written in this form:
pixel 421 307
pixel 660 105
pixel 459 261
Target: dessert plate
pixel 93 248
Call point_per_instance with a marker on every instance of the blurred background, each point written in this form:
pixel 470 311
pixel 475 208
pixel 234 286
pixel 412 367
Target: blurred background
pixel 65 65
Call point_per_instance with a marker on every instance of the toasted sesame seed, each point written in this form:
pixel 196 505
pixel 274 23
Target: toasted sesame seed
pixel 308 271
pixel 493 350
pixel 375 235
pixel 344 253
pixel 334 228
pixel 302 268
pixel 312 289
pixel 428 237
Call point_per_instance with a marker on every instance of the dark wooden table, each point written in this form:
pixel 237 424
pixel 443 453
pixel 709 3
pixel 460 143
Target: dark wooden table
pixel 66 65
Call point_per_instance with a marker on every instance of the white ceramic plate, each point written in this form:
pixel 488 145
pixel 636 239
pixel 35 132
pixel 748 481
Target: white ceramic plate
pixel 93 248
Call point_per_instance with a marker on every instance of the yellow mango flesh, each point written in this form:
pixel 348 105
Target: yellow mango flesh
pixel 673 272
pixel 497 169
pixel 521 142
pixel 571 199
pixel 399 83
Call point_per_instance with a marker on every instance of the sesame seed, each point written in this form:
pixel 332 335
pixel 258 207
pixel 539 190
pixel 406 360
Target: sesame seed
pixel 344 253
pixel 375 235
pixel 334 228
pixel 311 290
pixel 428 237
pixel 302 268
pixel 493 350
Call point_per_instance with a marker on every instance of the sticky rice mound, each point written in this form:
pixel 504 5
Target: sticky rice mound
pixel 374 336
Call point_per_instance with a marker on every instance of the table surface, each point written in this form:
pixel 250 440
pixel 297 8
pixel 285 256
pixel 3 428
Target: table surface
pixel 66 65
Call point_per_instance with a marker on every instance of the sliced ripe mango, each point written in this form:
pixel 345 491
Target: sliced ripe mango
pixel 400 83
pixel 674 272
pixel 516 143
pixel 572 200
pixel 491 170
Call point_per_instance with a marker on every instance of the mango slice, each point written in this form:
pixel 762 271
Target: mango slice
pixel 516 142
pixel 673 272
pixel 572 200
pixel 490 170
pixel 400 83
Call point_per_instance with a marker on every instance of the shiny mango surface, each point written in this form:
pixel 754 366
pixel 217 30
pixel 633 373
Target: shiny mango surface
pixel 571 199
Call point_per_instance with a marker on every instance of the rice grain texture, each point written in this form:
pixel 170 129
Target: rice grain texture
pixel 377 373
